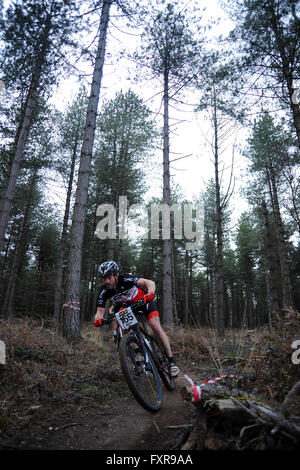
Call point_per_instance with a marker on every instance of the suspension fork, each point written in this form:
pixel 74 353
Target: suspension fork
pixel 144 342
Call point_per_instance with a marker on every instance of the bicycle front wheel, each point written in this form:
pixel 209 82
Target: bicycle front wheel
pixel 140 373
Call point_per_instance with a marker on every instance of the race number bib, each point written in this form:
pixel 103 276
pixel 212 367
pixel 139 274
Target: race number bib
pixel 126 318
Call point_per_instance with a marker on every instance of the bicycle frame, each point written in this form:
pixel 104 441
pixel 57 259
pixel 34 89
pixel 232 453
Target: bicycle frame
pixel 137 330
pixel 121 330
pixel 144 339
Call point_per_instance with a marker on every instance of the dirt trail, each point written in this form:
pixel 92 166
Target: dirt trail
pixel 98 411
pixel 124 425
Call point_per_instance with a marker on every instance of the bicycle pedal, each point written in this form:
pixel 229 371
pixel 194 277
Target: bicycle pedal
pixel 174 371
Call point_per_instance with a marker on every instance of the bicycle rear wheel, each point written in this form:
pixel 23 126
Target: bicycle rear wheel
pixel 162 364
pixel 142 376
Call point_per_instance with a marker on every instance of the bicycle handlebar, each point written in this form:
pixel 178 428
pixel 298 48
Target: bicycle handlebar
pixel 139 303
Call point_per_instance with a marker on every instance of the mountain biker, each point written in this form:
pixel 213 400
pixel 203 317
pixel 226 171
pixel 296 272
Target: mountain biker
pixel 114 283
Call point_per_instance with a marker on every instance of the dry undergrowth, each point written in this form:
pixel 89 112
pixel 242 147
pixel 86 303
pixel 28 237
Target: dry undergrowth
pixel 45 377
pixel 261 361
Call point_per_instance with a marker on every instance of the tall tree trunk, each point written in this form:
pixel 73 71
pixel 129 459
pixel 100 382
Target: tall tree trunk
pixel 250 313
pixel 21 137
pixel 294 106
pixel 186 289
pixel 9 298
pixel 232 313
pixel 190 288
pixel 167 252
pixel 174 300
pixel 293 184
pixel 110 248
pixel 220 275
pixel 59 288
pixel 287 300
pixel 72 305
pixel 89 269
pixel 213 287
pixel 271 262
pixel 267 282
pixel 120 249
pixel 20 142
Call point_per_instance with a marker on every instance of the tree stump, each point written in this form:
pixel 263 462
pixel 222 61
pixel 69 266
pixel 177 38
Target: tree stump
pixel 230 418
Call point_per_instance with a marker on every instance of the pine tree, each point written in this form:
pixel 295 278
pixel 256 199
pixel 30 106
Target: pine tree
pixel 34 34
pixel 210 252
pixel 170 51
pixel 268 32
pixel 71 318
pixel 36 162
pixel 124 141
pixel 268 152
pixel 126 137
pixel 247 245
pixel 70 130
pixel 218 93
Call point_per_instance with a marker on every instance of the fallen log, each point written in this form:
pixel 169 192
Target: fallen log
pixel 290 407
pixel 240 420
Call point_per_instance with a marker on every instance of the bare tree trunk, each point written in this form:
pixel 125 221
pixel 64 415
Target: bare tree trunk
pixel 88 269
pixel 120 248
pixel 8 302
pixel 174 302
pixel 271 263
pixel 71 307
pixel 213 289
pixel 190 286
pixel 21 137
pixel 248 288
pixel 59 290
pixel 267 282
pixel 232 314
pixel 287 300
pixel 186 289
pixel 110 248
pixel 295 108
pixel 219 260
pixel 167 252
pixel 292 180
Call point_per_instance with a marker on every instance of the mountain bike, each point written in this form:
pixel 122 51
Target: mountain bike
pixel 143 359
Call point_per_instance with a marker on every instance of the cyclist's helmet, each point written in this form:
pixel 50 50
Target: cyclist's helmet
pixel 108 267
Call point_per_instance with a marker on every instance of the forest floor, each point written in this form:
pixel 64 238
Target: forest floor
pixel 56 396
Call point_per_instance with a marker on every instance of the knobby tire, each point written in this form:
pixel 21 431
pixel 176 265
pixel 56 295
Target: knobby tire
pixel 144 384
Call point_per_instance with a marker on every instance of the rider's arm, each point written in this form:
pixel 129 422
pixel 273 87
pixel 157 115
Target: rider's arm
pixel 146 284
pixel 99 313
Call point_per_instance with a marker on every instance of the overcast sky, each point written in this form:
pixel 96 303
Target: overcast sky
pixel 190 137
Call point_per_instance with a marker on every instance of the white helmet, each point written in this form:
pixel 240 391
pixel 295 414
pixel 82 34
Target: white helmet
pixel 108 267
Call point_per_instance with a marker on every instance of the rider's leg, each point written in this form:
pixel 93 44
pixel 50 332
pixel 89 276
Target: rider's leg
pixel 154 322
pixel 155 325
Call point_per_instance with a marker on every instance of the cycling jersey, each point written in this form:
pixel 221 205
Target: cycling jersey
pixel 126 282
